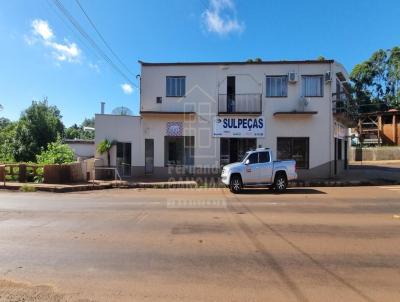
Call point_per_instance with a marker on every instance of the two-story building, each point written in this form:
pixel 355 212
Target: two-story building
pixel 196 117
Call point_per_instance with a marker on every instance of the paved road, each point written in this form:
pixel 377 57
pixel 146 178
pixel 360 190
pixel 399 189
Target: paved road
pixel 322 244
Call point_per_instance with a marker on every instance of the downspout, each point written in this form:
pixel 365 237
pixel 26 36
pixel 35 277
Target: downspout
pixel 331 134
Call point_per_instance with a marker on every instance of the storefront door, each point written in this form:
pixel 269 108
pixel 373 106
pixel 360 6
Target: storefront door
pixel 124 159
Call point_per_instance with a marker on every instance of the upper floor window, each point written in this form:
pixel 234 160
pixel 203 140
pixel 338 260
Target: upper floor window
pixel 276 86
pixel 176 86
pixel 312 85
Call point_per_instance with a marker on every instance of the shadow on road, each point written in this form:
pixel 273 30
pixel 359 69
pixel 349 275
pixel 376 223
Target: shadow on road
pixel 288 191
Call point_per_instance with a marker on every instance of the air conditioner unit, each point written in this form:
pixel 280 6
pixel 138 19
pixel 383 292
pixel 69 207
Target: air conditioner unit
pixel 328 76
pixel 292 77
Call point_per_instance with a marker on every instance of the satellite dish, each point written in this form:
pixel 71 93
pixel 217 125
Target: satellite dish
pixel 122 111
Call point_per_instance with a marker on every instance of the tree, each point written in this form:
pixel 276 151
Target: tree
pixel 105 147
pixel 38 126
pixel 321 58
pixel 7 134
pixel 56 153
pixel 4 122
pixel 78 132
pixel 376 81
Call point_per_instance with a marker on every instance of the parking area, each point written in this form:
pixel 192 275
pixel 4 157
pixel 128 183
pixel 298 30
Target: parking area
pixel 201 245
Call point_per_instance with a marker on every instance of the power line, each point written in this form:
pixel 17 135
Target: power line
pixel 76 24
pixel 102 38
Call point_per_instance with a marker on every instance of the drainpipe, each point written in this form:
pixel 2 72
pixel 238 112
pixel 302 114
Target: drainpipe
pixel 331 134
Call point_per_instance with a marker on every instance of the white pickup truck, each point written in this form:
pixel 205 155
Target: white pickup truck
pixel 258 169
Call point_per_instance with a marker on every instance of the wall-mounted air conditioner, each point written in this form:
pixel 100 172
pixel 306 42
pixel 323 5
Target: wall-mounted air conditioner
pixel 328 76
pixel 292 77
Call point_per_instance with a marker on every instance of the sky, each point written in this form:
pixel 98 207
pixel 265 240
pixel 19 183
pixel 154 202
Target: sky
pixel 42 54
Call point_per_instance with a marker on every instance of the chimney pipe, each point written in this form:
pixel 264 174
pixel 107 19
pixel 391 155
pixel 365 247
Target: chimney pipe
pixel 103 104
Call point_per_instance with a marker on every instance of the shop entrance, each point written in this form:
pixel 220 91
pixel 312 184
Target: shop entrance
pixel 124 158
pixel 233 149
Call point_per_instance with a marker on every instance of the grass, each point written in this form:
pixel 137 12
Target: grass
pixel 27 188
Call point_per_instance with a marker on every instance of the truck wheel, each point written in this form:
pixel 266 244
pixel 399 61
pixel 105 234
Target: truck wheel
pixel 280 183
pixel 235 184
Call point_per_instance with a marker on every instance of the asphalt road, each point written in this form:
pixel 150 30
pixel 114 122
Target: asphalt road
pixel 315 244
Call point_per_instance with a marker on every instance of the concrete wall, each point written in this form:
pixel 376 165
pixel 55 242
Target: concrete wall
pixel 374 153
pixel 82 150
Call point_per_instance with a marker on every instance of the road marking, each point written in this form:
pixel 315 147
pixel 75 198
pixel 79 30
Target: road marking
pixel 397 188
pixel 141 217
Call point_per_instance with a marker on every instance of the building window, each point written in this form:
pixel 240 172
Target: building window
pixel 179 150
pixel 296 148
pixel 276 86
pixel 176 86
pixel 312 86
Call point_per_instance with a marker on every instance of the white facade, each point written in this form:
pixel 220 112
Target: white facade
pixel 207 95
pixel 82 148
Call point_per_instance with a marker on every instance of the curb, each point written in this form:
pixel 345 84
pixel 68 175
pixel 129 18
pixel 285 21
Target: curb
pixel 193 185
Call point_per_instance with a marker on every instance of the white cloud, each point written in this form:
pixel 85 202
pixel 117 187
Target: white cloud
pixel 220 18
pixel 63 52
pixel 127 88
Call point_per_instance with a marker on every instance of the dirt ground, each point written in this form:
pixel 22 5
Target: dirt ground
pixel 311 244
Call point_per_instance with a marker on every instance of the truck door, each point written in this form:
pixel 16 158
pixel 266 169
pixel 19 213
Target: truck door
pixel 250 174
pixel 265 167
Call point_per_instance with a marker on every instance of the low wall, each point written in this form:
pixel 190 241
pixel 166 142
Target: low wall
pixel 65 173
pixel 374 153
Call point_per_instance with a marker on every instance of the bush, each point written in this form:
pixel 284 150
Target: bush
pixel 56 153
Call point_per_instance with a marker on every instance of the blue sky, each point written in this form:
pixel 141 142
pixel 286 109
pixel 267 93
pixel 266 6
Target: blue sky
pixel 42 55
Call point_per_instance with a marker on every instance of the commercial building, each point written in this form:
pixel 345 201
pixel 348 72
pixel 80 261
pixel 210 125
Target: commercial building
pixel 196 117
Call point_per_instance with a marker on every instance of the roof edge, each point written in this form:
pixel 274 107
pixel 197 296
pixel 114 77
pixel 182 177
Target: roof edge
pixel 236 63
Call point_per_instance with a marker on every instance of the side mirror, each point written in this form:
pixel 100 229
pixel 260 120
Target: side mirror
pixel 247 162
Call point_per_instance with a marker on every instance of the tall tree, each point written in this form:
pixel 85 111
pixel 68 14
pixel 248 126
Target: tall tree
pixel 38 126
pixel 78 132
pixel 376 81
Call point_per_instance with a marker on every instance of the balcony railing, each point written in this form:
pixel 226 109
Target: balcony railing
pixel 249 103
pixel 343 108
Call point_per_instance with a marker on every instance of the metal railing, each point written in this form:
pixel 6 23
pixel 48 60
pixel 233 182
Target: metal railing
pixel 240 103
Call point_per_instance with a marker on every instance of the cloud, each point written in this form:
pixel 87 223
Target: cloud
pixel 42 28
pixel 220 18
pixel 63 52
pixel 127 88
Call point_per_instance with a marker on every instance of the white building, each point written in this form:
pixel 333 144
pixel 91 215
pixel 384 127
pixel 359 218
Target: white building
pixel 195 117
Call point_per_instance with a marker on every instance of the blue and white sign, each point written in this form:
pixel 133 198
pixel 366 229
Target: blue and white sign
pixel 226 126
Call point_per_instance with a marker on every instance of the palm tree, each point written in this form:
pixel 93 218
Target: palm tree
pixel 105 146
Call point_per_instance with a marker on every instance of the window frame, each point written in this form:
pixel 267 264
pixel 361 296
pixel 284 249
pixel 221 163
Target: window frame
pixel 175 78
pixel 276 76
pixel 321 76
pixel 292 139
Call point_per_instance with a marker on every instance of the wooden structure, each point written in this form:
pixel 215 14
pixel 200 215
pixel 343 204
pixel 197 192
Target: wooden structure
pixel 380 128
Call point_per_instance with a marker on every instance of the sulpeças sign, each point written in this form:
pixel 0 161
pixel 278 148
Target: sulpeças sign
pixel 239 126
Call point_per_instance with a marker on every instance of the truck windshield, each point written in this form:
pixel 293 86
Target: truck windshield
pixel 244 156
